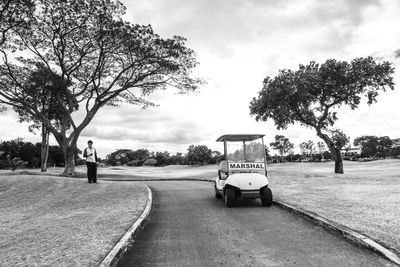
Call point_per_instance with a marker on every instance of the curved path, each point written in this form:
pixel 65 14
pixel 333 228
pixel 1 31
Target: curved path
pixel 189 227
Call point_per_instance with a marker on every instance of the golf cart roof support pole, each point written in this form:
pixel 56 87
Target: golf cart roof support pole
pixel 226 155
pixel 265 156
pixel 244 151
pixel 225 150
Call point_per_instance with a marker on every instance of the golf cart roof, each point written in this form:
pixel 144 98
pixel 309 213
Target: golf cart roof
pixel 239 137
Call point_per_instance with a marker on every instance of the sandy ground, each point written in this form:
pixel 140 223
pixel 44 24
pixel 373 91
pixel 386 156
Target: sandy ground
pixel 51 221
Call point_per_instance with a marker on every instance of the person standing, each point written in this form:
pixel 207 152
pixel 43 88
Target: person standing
pixel 91 162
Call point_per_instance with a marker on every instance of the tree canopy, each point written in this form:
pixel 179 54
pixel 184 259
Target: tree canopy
pixel 282 144
pixel 101 59
pixel 307 147
pixel 321 147
pixel 312 94
pixel 199 154
pixel 30 154
pixel 372 146
pixel 14 14
pixel 339 138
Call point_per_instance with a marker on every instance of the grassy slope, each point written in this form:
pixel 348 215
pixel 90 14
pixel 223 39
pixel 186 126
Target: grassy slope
pixel 55 221
pixel 366 198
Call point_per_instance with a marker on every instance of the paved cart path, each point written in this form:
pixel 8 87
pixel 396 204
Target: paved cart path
pixel 189 227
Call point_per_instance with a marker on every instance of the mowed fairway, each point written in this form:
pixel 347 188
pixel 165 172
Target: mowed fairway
pixel 366 198
pixel 51 221
pixel 189 227
pixel 56 221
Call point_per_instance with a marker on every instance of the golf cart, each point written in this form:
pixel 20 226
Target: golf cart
pixel 243 173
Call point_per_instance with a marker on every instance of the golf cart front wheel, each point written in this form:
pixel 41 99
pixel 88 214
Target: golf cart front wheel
pixel 217 194
pixel 230 197
pixel 266 196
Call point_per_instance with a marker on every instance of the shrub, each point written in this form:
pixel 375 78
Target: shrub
pixel 4 164
pixel 35 162
pixel 135 163
pixel 150 162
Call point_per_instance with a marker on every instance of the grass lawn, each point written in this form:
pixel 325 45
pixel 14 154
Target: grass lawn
pixel 136 173
pixel 51 221
pixel 366 198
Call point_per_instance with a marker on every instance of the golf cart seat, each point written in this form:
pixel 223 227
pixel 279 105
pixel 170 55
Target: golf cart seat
pixel 223 167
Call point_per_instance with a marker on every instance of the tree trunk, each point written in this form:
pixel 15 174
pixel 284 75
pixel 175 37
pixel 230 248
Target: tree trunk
pixel 338 160
pixel 69 150
pixel 336 155
pixel 44 149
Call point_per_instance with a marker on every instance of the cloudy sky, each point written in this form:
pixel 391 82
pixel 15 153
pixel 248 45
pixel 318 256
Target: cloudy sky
pixel 238 43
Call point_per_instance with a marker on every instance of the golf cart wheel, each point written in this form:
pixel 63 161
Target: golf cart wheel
pixel 266 196
pixel 230 197
pixel 217 194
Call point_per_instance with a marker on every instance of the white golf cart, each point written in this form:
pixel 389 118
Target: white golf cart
pixel 243 173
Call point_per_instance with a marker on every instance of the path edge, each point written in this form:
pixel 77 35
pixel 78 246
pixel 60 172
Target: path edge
pixel 347 233
pixel 120 248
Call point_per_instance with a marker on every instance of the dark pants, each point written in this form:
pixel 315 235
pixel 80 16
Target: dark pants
pixel 91 172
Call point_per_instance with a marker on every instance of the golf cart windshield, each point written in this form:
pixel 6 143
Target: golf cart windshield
pixel 250 151
pixel 244 153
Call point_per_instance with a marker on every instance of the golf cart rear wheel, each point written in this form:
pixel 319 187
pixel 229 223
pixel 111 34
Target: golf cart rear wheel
pixel 266 196
pixel 230 197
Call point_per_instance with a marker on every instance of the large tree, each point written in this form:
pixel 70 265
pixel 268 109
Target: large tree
pixel 282 144
pixel 42 84
pixel 340 140
pixel 384 146
pixel 374 146
pixel 101 59
pixel 321 149
pixel 368 144
pixel 310 146
pixel 14 14
pixel 199 154
pixel 307 148
pixel 312 94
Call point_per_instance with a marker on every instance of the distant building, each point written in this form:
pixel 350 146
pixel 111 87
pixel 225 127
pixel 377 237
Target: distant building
pixel 350 152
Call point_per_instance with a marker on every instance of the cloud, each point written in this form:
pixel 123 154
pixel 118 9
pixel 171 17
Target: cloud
pixel 238 44
pixel 397 53
pixel 151 126
pixel 222 26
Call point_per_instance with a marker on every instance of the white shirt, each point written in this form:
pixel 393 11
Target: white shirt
pixel 91 158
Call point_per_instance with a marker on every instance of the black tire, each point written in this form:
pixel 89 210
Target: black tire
pixel 266 196
pixel 230 197
pixel 217 194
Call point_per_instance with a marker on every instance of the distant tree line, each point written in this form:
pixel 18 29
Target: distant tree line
pixel 369 147
pixel 196 155
pixel 378 147
pixel 17 152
